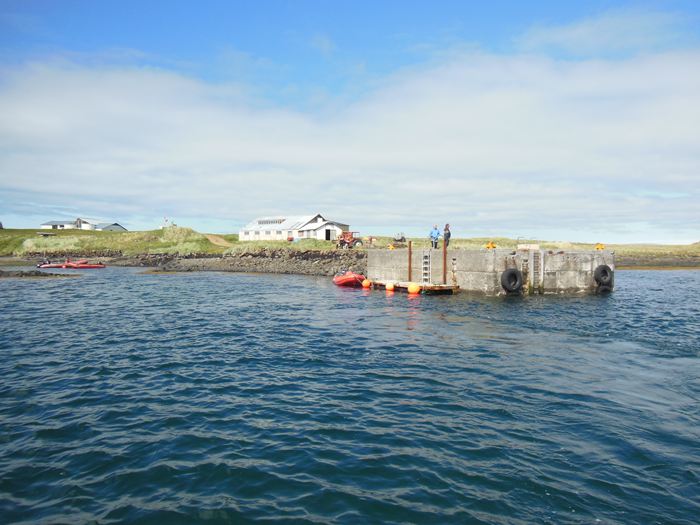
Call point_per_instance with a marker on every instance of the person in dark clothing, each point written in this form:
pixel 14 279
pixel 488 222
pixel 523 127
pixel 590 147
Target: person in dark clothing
pixel 446 235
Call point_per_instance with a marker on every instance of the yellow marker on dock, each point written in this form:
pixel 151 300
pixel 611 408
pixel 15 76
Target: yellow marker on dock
pixel 600 246
pixel 490 245
pixel 413 288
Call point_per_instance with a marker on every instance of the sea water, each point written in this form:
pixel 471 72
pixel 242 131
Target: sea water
pixel 231 398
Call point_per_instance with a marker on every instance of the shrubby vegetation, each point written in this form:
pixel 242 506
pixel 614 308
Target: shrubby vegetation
pixel 302 244
pixel 173 240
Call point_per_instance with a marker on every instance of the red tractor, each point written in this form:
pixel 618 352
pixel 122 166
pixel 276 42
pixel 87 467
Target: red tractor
pixel 348 240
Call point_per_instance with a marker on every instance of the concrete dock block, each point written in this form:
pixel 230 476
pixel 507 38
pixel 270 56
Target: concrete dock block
pixel 479 271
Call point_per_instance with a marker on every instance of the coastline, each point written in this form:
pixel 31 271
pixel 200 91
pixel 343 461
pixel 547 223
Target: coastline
pixel 30 274
pixel 276 261
pixel 301 262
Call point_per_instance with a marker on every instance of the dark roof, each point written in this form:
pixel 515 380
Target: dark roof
pixel 104 225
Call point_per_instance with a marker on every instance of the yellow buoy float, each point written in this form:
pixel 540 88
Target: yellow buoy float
pixel 366 283
pixel 413 288
pixel 389 287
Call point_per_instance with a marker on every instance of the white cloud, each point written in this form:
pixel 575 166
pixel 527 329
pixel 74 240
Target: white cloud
pixel 615 31
pixel 516 145
pixel 323 44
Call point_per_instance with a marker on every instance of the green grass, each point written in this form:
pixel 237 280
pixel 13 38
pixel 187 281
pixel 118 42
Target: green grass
pixel 183 241
pixel 230 237
pixel 302 244
pixel 173 240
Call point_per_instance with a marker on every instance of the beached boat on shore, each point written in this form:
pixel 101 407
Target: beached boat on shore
pixel 82 264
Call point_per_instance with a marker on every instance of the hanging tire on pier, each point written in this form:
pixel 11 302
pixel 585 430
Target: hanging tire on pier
pixel 603 276
pixel 512 280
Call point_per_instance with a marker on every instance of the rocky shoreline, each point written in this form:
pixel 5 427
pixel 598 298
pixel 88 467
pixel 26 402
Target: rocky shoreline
pixel 24 274
pixel 302 262
pixel 627 262
pixel 282 261
pixel 285 261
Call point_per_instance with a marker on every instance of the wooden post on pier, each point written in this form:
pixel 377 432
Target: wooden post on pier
pixel 444 262
pixel 410 245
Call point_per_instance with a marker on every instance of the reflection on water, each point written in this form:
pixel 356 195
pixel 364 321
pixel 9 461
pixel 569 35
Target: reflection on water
pixel 220 398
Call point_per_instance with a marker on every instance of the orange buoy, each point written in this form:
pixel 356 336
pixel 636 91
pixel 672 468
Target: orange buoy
pixel 366 283
pixel 413 288
pixel 389 287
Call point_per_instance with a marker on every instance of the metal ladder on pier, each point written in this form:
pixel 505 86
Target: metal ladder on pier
pixel 427 266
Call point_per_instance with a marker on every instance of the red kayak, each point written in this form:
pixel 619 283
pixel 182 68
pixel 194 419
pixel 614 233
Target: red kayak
pixel 349 279
pixel 82 264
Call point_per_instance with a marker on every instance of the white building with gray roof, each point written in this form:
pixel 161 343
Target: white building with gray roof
pixel 83 224
pixel 284 228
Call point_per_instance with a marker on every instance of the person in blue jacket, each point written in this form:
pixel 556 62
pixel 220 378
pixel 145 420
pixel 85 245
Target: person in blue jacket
pixel 434 236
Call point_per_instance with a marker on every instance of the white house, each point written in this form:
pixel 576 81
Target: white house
pixel 83 224
pixel 286 228
pixel 58 225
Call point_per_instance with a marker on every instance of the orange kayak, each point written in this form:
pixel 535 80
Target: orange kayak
pixel 77 265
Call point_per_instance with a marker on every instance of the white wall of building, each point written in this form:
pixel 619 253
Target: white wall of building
pixel 327 232
pixel 272 229
pixel 65 226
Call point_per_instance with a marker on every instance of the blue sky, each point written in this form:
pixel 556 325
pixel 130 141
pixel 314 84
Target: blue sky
pixel 567 120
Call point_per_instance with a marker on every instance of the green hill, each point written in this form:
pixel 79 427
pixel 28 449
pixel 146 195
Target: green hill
pixel 174 240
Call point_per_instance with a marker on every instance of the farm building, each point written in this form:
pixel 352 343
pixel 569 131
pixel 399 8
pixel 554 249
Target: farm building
pixel 110 227
pixel 286 228
pixel 83 224
pixel 58 225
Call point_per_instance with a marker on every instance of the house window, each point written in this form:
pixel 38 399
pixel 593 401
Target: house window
pixel 279 232
pixel 257 232
pixel 267 232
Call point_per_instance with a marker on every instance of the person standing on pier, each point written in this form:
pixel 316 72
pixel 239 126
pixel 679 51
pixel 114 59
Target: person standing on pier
pixel 446 235
pixel 434 236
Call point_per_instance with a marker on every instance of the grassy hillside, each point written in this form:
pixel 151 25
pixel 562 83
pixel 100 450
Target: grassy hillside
pixel 302 244
pixel 173 240
pixel 183 241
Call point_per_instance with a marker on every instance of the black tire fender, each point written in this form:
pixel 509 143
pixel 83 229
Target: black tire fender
pixel 603 275
pixel 512 280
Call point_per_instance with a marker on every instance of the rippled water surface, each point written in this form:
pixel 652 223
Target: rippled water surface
pixel 229 398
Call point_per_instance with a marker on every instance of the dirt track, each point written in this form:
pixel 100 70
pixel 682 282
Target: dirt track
pixel 218 240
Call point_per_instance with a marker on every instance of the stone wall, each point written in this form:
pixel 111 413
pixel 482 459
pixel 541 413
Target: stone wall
pixel 303 262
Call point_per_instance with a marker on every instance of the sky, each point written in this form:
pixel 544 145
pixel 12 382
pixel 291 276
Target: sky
pixel 553 120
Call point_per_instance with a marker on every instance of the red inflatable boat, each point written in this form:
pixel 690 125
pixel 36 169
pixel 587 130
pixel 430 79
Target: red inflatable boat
pixel 68 264
pixel 348 279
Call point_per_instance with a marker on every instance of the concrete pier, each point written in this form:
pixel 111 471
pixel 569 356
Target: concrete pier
pixel 527 271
